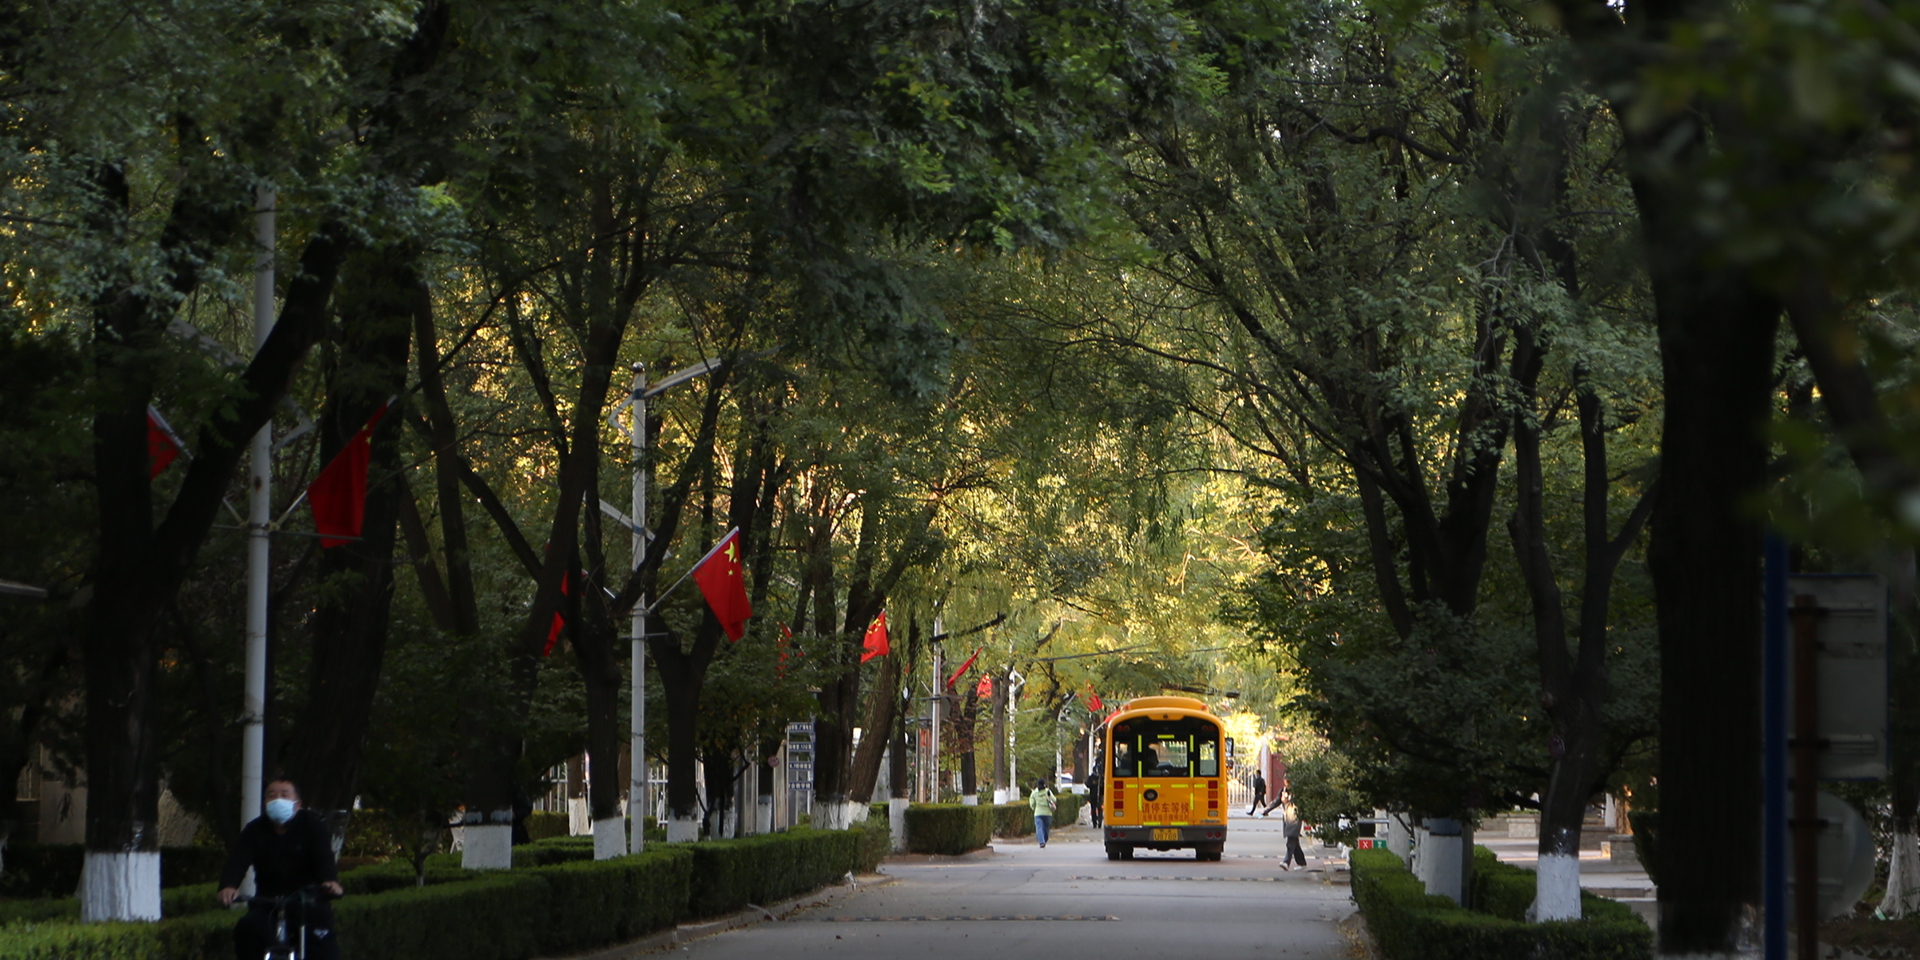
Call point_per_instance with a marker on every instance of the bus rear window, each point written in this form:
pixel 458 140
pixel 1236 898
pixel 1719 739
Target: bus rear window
pixel 1186 747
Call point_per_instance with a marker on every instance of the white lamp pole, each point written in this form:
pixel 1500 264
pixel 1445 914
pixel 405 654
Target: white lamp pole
pixel 637 735
pixel 637 781
pixel 253 739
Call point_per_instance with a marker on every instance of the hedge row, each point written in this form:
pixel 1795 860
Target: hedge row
pixel 948 828
pixel 1410 924
pixel 1012 820
pixel 776 866
pixel 569 905
pixel 53 869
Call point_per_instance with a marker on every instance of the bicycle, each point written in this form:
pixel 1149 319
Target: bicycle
pixel 283 948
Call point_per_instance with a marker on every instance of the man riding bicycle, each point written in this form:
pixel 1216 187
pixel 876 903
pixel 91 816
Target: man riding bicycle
pixel 289 850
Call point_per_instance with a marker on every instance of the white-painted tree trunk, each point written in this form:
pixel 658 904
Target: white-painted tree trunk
pixel 488 846
pixel 1441 858
pixel 763 815
pixel 683 829
pixel 1556 894
pixel 1903 878
pixel 120 886
pixel 970 800
pixel 1001 795
pixel 839 816
pixel 897 819
pixel 1417 853
pixel 1399 838
pixel 609 838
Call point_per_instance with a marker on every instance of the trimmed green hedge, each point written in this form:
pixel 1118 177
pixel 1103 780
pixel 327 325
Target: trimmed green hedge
pixel 569 905
pixel 948 828
pixel 1409 924
pixel 53 869
pixel 1012 820
pixel 593 903
pixel 759 870
pixel 1016 819
pixel 1506 891
pixel 546 824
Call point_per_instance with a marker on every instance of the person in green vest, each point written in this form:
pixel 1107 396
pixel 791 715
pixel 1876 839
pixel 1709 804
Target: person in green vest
pixel 1043 802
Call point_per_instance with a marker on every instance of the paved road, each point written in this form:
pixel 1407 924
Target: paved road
pixel 1069 900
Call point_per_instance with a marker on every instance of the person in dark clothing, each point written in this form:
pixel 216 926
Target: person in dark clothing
pixel 522 809
pixel 289 849
pixel 1097 789
pixel 1259 793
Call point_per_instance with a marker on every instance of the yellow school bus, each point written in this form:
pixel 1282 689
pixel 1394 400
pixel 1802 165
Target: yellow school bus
pixel 1164 778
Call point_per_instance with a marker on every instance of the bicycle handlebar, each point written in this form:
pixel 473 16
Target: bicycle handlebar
pixel 314 891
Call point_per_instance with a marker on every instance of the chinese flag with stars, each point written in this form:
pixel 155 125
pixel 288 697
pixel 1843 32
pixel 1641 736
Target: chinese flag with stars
pixel 723 581
pixel 875 642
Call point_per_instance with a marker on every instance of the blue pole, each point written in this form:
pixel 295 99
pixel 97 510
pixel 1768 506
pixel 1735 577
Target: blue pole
pixel 1774 734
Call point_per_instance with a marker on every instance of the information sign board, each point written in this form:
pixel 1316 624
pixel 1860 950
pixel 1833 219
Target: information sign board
pixel 1852 673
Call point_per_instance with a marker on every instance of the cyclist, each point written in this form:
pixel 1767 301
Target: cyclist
pixel 289 850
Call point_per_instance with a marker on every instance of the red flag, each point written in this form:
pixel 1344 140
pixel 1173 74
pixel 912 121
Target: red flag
pixel 338 495
pixel 723 581
pixel 875 643
pixel 781 642
pixel 162 445
pixel 1094 704
pixel 985 688
pixel 559 622
pixel 957 674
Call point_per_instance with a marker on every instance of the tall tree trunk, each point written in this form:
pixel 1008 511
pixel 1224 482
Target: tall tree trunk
pixel 963 741
pixel 1717 353
pixel 139 567
pixel 882 708
pixel 352 621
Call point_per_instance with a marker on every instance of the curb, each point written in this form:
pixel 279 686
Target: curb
pixel 668 939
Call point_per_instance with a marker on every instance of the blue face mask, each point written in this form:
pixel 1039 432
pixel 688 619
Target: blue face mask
pixel 280 810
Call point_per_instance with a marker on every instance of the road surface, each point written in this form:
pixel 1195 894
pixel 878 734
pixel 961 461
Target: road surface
pixel 1069 900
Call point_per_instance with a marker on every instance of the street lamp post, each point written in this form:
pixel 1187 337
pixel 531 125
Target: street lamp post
pixel 637 780
pixel 259 533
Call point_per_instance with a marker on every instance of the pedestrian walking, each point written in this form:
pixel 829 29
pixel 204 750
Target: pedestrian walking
pixel 1043 801
pixel 1259 792
pixel 1290 827
pixel 1097 789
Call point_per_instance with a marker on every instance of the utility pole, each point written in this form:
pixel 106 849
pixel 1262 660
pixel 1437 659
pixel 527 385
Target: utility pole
pixel 637 735
pixel 253 738
pixel 939 699
pixel 637 730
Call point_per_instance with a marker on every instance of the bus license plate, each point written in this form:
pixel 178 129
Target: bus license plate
pixel 1166 834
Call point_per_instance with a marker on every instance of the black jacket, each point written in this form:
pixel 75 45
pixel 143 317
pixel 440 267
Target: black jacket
pixel 282 862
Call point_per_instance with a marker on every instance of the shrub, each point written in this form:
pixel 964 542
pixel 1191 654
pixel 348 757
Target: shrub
pixel 1409 924
pixel 948 828
pixel 1068 809
pixel 53 869
pixel 729 874
pixel 566 907
pixel 174 902
pixel 548 853
pixel 1016 819
pixel 543 824
pixel 876 841
pixel 593 903
pixel 1012 820
pixel 500 917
